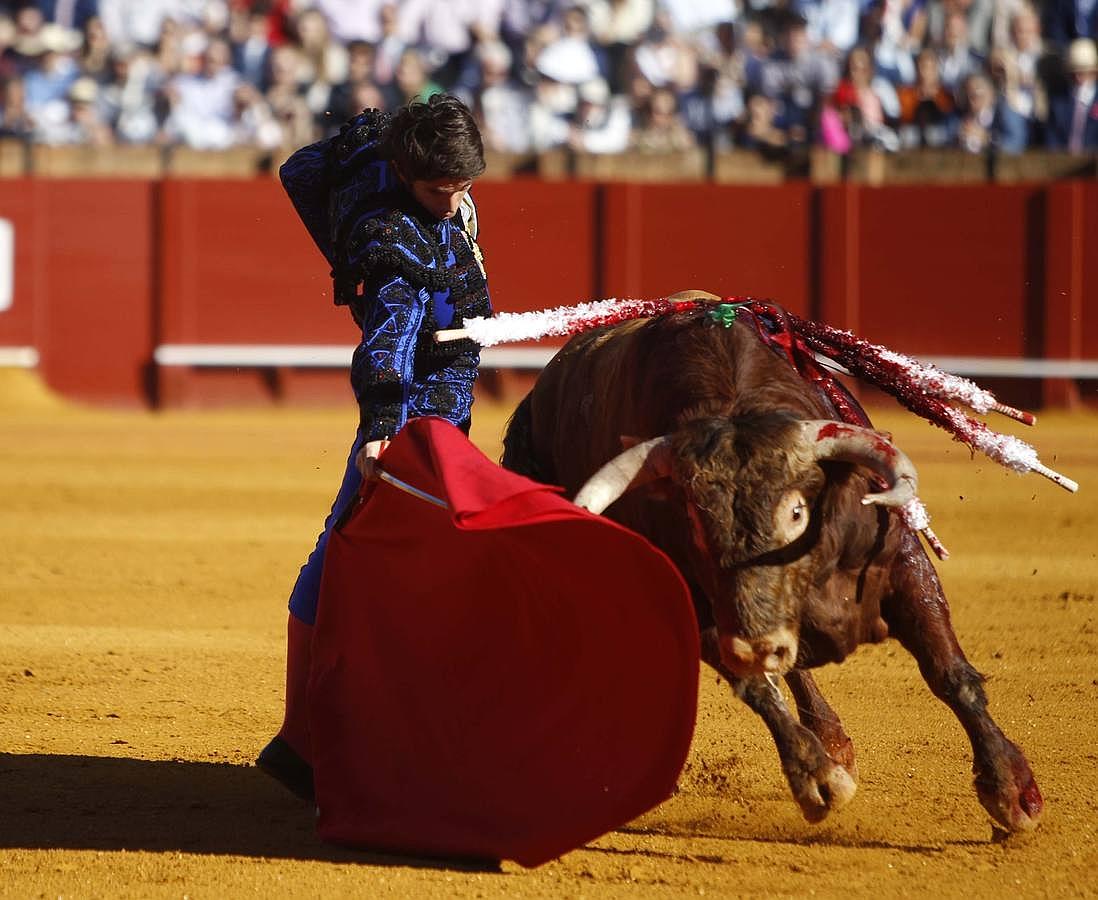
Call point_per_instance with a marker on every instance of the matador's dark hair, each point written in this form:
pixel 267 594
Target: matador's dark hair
pixel 435 139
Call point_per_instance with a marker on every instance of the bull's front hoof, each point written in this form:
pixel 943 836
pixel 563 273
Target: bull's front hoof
pixel 1008 791
pixel 819 784
pixel 1013 809
pixel 825 792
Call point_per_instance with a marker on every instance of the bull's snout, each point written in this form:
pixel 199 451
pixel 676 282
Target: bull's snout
pixel 773 654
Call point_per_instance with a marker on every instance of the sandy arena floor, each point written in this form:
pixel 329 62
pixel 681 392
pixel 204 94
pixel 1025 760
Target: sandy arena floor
pixel 144 562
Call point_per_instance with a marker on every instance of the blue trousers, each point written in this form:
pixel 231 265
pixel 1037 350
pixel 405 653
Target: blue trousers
pixel 306 592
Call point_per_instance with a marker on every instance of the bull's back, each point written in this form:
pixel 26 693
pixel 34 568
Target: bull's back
pixel 554 410
pixel 598 389
pixel 641 379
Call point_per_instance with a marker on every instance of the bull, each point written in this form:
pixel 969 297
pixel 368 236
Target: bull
pixel 701 438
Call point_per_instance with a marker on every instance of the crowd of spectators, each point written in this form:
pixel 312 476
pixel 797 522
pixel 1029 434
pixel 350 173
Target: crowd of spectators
pixel 598 76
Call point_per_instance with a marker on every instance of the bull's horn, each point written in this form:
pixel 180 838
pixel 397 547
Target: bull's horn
pixel 638 465
pixel 852 443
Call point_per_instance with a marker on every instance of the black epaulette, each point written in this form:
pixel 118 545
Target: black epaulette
pixel 395 241
pixel 358 142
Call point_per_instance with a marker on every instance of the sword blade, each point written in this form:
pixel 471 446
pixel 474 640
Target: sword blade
pixel 410 489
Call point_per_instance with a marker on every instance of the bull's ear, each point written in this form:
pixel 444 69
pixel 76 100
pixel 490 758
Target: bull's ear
pixel 628 441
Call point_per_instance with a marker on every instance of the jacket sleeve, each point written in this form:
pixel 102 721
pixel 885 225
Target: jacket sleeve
pixel 383 367
pixel 305 176
pixel 313 173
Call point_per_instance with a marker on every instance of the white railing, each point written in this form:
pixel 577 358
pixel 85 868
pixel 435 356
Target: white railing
pixel 319 356
pixel 336 356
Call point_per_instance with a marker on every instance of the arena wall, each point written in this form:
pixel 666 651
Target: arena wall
pixel 109 273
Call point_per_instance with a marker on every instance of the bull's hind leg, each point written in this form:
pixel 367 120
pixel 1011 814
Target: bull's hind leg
pixel 918 616
pixel 819 784
pixel 818 717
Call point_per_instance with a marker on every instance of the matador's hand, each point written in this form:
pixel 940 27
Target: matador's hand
pixel 366 460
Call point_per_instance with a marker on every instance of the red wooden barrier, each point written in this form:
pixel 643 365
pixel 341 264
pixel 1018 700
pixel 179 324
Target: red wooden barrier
pixel 237 266
pixel 934 271
pixel 1071 288
pixel 539 240
pixel 84 283
pixel 748 241
pixel 107 270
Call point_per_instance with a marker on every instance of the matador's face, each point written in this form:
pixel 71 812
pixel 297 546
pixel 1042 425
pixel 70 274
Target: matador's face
pixel 441 197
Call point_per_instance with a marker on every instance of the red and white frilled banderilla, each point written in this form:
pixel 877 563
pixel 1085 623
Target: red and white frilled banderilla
pixel 921 387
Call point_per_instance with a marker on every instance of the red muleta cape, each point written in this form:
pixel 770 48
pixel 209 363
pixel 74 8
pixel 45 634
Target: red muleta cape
pixel 507 678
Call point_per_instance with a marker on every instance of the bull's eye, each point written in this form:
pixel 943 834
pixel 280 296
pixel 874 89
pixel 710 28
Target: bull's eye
pixel 791 517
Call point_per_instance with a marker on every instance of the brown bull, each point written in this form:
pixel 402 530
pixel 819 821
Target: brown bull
pixel 704 440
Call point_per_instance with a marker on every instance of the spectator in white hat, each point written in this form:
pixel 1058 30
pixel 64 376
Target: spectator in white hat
pixel 52 49
pixel 83 123
pixel 1073 114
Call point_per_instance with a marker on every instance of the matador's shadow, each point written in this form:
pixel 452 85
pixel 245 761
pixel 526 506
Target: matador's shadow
pixel 101 803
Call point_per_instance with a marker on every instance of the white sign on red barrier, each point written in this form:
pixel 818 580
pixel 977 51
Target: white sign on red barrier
pixel 7 263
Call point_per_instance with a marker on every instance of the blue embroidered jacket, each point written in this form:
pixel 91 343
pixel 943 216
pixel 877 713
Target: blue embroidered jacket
pixel 403 273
